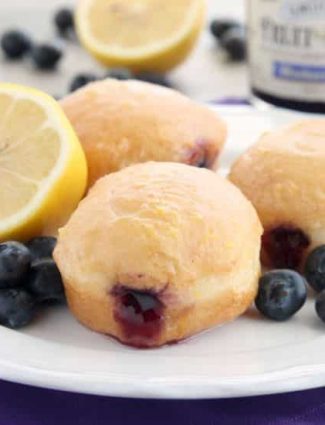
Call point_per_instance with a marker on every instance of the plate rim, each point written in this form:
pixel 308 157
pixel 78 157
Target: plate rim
pixel 288 380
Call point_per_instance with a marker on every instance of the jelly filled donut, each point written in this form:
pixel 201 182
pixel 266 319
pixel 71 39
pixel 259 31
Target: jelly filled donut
pixel 159 251
pixel 120 123
pixel 283 175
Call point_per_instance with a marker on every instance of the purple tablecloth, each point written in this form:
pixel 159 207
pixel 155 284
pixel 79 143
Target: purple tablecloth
pixel 23 405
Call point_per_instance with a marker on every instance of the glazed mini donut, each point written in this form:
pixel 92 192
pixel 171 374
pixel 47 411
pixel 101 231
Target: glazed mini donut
pixel 120 123
pixel 159 251
pixel 284 177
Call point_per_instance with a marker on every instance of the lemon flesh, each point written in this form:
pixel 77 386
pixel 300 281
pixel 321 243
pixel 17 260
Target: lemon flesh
pixel 43 170
pixel 141 34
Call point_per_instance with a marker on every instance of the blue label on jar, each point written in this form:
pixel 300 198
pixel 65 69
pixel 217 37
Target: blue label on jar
pixel 298 72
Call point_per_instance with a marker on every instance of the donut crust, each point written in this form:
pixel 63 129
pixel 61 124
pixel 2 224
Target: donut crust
pixel 283 175
pixel 120 123
pixel 180 232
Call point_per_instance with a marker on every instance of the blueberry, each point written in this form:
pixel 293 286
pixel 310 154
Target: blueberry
pixel 64 21
pixel 44 281
pixel 81 80
pixel 15 44
pixel 41 247
pixel 234 43
pixel 120 74
pixel 320 305
pixel 17 308
pixel 15 261
pixel 281 294
pixel 219 26
pixel 315 269
pixel 46 56
pixel 154 78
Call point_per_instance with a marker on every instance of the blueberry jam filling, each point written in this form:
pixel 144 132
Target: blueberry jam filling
pixel 140 315
pixel 284 247
pixel 200 156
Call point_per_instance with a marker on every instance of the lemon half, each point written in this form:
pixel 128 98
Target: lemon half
pixel 152 35
pixel 43 170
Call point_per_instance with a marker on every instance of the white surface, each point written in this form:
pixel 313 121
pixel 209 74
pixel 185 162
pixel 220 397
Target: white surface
pixel 247 357
pixel 204 76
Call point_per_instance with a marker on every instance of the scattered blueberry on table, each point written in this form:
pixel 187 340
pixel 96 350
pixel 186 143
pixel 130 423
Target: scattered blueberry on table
pixel 281 294
pixel 315 269
pixel 234 43
pixel 218 27
pixel 46 56
pixel 153 78
pixel 15 44
pixel 231 36
pixel 64 21
pixel 81 80
pixel 122 74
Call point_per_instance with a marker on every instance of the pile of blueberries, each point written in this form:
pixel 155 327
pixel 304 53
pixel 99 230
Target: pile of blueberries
pixel 29 279
pixel 283 292
pixel 231 37
pixel 17 45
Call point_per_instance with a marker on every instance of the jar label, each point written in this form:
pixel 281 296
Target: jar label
pixel 287 48
pixel 300 10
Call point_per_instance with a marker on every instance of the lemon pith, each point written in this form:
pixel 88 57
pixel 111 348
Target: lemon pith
pixel 43 170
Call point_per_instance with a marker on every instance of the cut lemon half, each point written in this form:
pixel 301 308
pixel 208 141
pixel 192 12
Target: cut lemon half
pixel 43 171
pixel 152 35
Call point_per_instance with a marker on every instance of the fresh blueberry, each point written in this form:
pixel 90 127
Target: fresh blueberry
pixel 15 261
pixel 281 294
pixel 17 308
pixel 320 305
pixel 45 281
pixel 119 74
pixel 233 42
pixel 81 80
pixel 46 56
pixel 64 21
pixel 15 44
pixel 218 27
pixel 315 269
pixel 154 78
pixel 41 247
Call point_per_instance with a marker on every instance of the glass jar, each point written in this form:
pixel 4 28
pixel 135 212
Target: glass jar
pixel 286 43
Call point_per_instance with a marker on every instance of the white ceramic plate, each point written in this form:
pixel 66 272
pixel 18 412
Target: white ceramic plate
pixel 247 357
